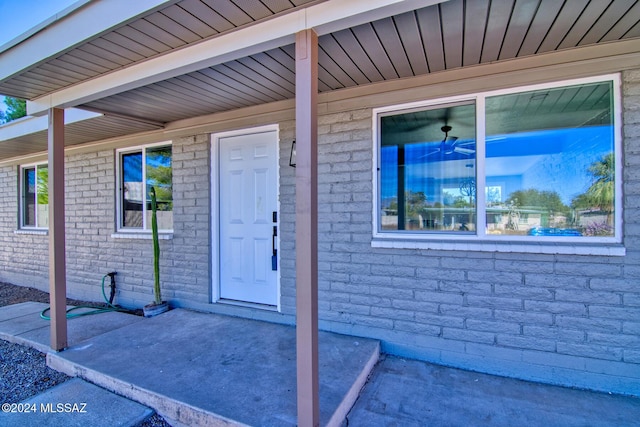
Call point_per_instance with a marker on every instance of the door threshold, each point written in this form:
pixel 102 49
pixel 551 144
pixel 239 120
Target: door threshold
pixel 246 304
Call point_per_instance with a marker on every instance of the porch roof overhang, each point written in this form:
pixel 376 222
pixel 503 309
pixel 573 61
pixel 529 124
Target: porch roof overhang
pixel 156 65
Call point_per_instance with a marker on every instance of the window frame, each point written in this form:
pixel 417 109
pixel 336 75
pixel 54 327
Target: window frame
pixel 481 240
pixel 142 149
pixel 21 197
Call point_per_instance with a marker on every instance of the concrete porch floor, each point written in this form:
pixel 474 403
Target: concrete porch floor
pixel 200 369
pixel 410 393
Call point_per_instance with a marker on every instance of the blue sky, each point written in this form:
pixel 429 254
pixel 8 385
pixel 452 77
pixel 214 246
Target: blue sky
pixel 19 16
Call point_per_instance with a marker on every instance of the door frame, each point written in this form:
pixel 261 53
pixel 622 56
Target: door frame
pixel 215 211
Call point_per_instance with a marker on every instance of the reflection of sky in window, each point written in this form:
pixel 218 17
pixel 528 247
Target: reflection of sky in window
pixel 548 160
pixel 132 164
pixel 156 159
pixel 31 180
pixel 132 167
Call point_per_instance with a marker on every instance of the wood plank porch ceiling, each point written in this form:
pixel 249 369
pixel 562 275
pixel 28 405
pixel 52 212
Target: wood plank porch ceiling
pixel 450 35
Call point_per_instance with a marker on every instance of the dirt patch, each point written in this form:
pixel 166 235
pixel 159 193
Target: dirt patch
pixel 12 294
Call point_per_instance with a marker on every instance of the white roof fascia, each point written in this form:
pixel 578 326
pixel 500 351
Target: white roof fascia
pixel 325 17
pixel 80 22
pixel 28 125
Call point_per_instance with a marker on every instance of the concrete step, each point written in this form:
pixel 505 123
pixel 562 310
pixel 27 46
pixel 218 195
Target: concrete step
pixel 75 403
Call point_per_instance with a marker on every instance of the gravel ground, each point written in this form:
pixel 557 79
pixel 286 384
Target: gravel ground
pixel 23 371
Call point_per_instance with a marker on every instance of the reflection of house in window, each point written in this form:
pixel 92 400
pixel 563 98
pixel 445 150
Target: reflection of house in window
pixel 594 222
pixel 132 204
pixel 505 220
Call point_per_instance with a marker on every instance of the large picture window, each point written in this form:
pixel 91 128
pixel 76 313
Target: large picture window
pixel 532 164
pixel 34 196
pixel 139 170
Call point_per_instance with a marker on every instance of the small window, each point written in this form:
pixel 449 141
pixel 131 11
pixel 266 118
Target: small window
pixel 139 170
pixel 530 164
pixel 34 196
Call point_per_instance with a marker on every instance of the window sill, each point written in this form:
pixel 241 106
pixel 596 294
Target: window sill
pixel 603 249
pixel 33 232
pixel 141 235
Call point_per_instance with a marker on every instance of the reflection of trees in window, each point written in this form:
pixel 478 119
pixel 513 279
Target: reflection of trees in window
pixel 159 176
pixel 455 200
pixel 141 170
pixel 415 204
pixel 600 195
pixel 468 189
pixel 547 201
pixel 43 185
pixel 493 195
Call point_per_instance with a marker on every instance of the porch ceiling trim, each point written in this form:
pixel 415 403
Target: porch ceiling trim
pixel 86 21
pixel 325 17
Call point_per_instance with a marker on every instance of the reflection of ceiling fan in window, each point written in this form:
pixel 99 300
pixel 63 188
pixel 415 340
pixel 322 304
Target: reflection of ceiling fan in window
pixel 450 145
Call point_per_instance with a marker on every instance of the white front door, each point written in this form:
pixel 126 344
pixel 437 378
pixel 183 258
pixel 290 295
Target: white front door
pixel 248 217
